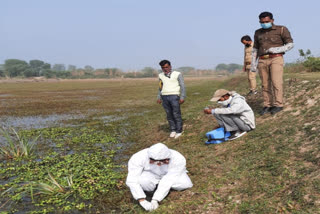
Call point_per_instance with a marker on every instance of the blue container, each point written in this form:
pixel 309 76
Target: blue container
pixel 217 136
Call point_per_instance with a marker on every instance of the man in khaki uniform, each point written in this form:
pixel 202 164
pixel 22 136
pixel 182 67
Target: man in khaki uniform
pixel 270 43
pixel 248 45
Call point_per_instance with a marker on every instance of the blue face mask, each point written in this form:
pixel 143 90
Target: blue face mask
pixel 266 25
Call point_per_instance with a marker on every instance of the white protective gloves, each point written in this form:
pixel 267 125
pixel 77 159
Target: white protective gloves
pixel 254 60
pixel 281 49
pixel 155 204
pixel 149 206
pixel 146 205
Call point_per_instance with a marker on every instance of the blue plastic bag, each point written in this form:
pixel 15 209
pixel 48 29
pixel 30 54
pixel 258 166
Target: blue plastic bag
pixel 217 136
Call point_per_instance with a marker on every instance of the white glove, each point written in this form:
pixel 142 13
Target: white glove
pixel 154 204
pixel 254 60
pixel 253 67
pixel 146 205
pixel 281 49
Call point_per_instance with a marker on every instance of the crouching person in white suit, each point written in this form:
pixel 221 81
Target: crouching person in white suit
pixel 158 169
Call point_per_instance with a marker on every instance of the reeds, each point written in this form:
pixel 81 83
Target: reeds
pixel 54 186
pixel 15 145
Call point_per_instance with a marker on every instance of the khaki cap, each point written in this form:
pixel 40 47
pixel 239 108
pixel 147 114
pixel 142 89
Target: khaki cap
pixel 218 94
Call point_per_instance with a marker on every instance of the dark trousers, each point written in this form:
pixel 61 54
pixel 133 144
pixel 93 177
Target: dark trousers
pixel 171 105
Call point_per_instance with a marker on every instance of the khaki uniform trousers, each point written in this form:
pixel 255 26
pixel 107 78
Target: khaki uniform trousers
pixel 252 79
pixel 271 74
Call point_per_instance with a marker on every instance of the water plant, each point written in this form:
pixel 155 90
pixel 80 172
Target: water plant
pixel 80 178
pixel 16 145
pixel 54 187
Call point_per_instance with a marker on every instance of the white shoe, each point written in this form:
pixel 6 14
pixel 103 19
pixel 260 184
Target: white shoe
pixel 178 135
pixel 237 135
pixel 172 134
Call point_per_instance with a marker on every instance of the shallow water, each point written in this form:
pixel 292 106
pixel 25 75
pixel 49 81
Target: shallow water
pixel 5 95
pixel 36 122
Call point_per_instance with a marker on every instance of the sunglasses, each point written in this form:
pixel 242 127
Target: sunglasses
pixel 164 161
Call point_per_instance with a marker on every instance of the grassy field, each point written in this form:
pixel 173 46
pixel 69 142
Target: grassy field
pixel 273 169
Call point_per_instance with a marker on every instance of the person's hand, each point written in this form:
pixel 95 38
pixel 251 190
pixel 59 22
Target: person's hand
pixel 207 111
pixel 181 101
pixel 159 101
pixel 146 205
pixel 154 204
pixel 253 67
pixel 244 68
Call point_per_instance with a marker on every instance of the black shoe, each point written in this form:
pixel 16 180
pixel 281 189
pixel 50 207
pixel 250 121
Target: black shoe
pixel 252 92
pixel 275 109
pixel 265 110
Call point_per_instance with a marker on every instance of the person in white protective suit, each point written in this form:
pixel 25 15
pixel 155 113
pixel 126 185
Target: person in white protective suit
pixel 158 169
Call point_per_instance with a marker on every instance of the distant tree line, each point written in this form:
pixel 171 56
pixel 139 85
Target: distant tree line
pixel 231 68
pixel 37 68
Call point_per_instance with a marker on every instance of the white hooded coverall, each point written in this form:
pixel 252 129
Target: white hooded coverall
pixel 143 176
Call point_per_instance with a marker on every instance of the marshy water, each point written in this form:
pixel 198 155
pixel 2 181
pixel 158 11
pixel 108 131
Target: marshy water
pixel 37 122
pixel 54 120
pixel 82 129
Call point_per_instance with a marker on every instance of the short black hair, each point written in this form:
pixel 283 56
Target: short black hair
pixel 265 14
pixel 246 38
pixel 164 62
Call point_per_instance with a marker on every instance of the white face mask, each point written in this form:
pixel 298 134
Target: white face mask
pixel 226 102
pixel 159 170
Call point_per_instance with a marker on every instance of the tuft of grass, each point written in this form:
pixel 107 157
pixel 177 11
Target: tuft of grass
pixel 54 187
pixel 16 145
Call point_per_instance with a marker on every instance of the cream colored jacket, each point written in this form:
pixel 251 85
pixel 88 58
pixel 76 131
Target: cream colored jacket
pixel 239 106
pixel 170 85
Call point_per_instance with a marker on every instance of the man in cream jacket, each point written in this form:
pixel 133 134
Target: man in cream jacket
pixel 171 94
pixel 236 116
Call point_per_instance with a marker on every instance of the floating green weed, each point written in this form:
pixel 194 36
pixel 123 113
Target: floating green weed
pixel 93 175
pixel 46 178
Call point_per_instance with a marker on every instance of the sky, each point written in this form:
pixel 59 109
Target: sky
pixel 133 34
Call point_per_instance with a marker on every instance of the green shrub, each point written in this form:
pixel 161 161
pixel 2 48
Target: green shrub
pixel 312 64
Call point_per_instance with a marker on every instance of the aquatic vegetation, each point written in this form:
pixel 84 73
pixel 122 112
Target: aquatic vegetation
pixel 16 145
pixel 54 187
pixel 74 163
pixel 85 146
pixel 79 177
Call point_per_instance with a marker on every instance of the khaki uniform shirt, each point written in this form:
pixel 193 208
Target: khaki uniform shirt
pixel 276 36
pixel 248 56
